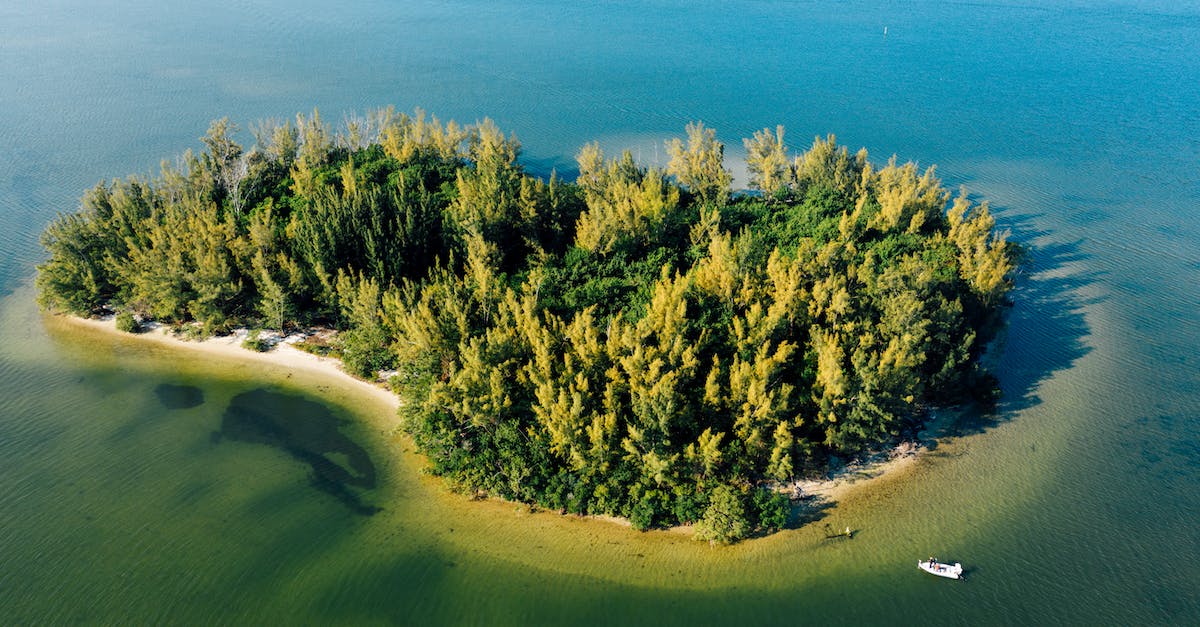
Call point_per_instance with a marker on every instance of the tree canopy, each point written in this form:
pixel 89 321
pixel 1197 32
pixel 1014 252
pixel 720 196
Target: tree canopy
pixel 636 342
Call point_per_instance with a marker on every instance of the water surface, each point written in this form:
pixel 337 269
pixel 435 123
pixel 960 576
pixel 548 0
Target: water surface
pixel 1077 121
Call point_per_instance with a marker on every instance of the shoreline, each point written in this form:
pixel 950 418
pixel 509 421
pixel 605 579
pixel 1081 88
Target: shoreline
pixel 858 473
pixel 851 477
pixel 282 354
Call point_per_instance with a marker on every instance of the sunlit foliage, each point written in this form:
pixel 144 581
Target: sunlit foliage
pixel 636 342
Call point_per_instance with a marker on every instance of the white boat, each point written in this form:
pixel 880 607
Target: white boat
pixel 934 567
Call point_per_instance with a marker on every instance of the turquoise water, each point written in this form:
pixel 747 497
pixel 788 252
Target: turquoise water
pixel 127 495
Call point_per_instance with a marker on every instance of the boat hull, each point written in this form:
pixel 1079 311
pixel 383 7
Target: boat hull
pixel 949 571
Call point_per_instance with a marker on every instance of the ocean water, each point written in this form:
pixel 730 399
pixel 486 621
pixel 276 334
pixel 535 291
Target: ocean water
pixel 139 484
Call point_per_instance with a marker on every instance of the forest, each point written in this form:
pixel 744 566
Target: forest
pixel 638 342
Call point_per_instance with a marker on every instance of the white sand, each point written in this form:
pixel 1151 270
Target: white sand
pixel 850 478
pixel 230 346
pixel 855 476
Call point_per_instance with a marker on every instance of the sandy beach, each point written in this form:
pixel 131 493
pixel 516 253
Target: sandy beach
pixel 837 484
pixel 859 474
pixel 230 347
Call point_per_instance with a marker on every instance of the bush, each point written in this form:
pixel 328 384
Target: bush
pixel 650 511
pixel 255 343
pixel 320 344
pixel 191 331
pixel 724 520
pixel 365 351
pixel 127 323
pixel 772 509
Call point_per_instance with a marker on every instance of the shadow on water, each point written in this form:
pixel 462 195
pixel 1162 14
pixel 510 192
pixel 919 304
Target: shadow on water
pixel 807 512
pixel 308 431
pixel 179 396
pixel 1046 328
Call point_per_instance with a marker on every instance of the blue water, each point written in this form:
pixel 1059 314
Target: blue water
pixel 1078 121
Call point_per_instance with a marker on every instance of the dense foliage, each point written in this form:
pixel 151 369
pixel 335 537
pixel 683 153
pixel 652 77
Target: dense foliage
pixel 638 342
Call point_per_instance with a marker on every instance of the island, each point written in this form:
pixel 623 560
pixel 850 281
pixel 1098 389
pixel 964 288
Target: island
pixel 637 342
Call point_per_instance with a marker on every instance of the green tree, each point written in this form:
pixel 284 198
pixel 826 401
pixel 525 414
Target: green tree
pixel 771 508
pixel 724 520
pixel 627 206
pixel 699 165
pixel 364 351
pixel 828 165
pixel 767 161
pixel 226 160
pixel 274 300
pixel 615 345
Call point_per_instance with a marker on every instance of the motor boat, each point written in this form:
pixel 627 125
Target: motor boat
pixel 949 571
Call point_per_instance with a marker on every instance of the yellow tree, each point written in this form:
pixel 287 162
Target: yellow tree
pixel 984 260
pixel 907 201
pixel 828 164
pixel 625 202
pixel 767 161
pixel 699 165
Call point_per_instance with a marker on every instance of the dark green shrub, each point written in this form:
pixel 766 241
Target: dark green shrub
pixel 649 511
pixel 365 351
pixel 689 505
pixel 127 323
pixel 772 509
pixel 255 343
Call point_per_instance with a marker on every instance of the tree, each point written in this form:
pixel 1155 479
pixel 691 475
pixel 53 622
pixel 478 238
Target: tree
pixel 985 260
pixel 227 161
pixel 278 141
pixel 274 301
pixel 315 143
pixel 364 351
pixel 127 323
pixel 74 279
pixel 828 165
pixel 700 164
pixel 626 205
pixel 771 508
pixel 488 201
pixel 724 519
pixel 767 162
pixel 615 345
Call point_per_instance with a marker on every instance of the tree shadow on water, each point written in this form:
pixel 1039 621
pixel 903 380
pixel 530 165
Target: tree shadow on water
pixel 808 511
pixel 309 432
pixel 1046 328
pixel 179 396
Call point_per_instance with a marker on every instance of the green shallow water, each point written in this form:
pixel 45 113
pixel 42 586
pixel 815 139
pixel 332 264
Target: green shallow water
pixel 145 484
pixel 140 503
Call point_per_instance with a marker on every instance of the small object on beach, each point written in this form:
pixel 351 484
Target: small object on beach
pixel 933 567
